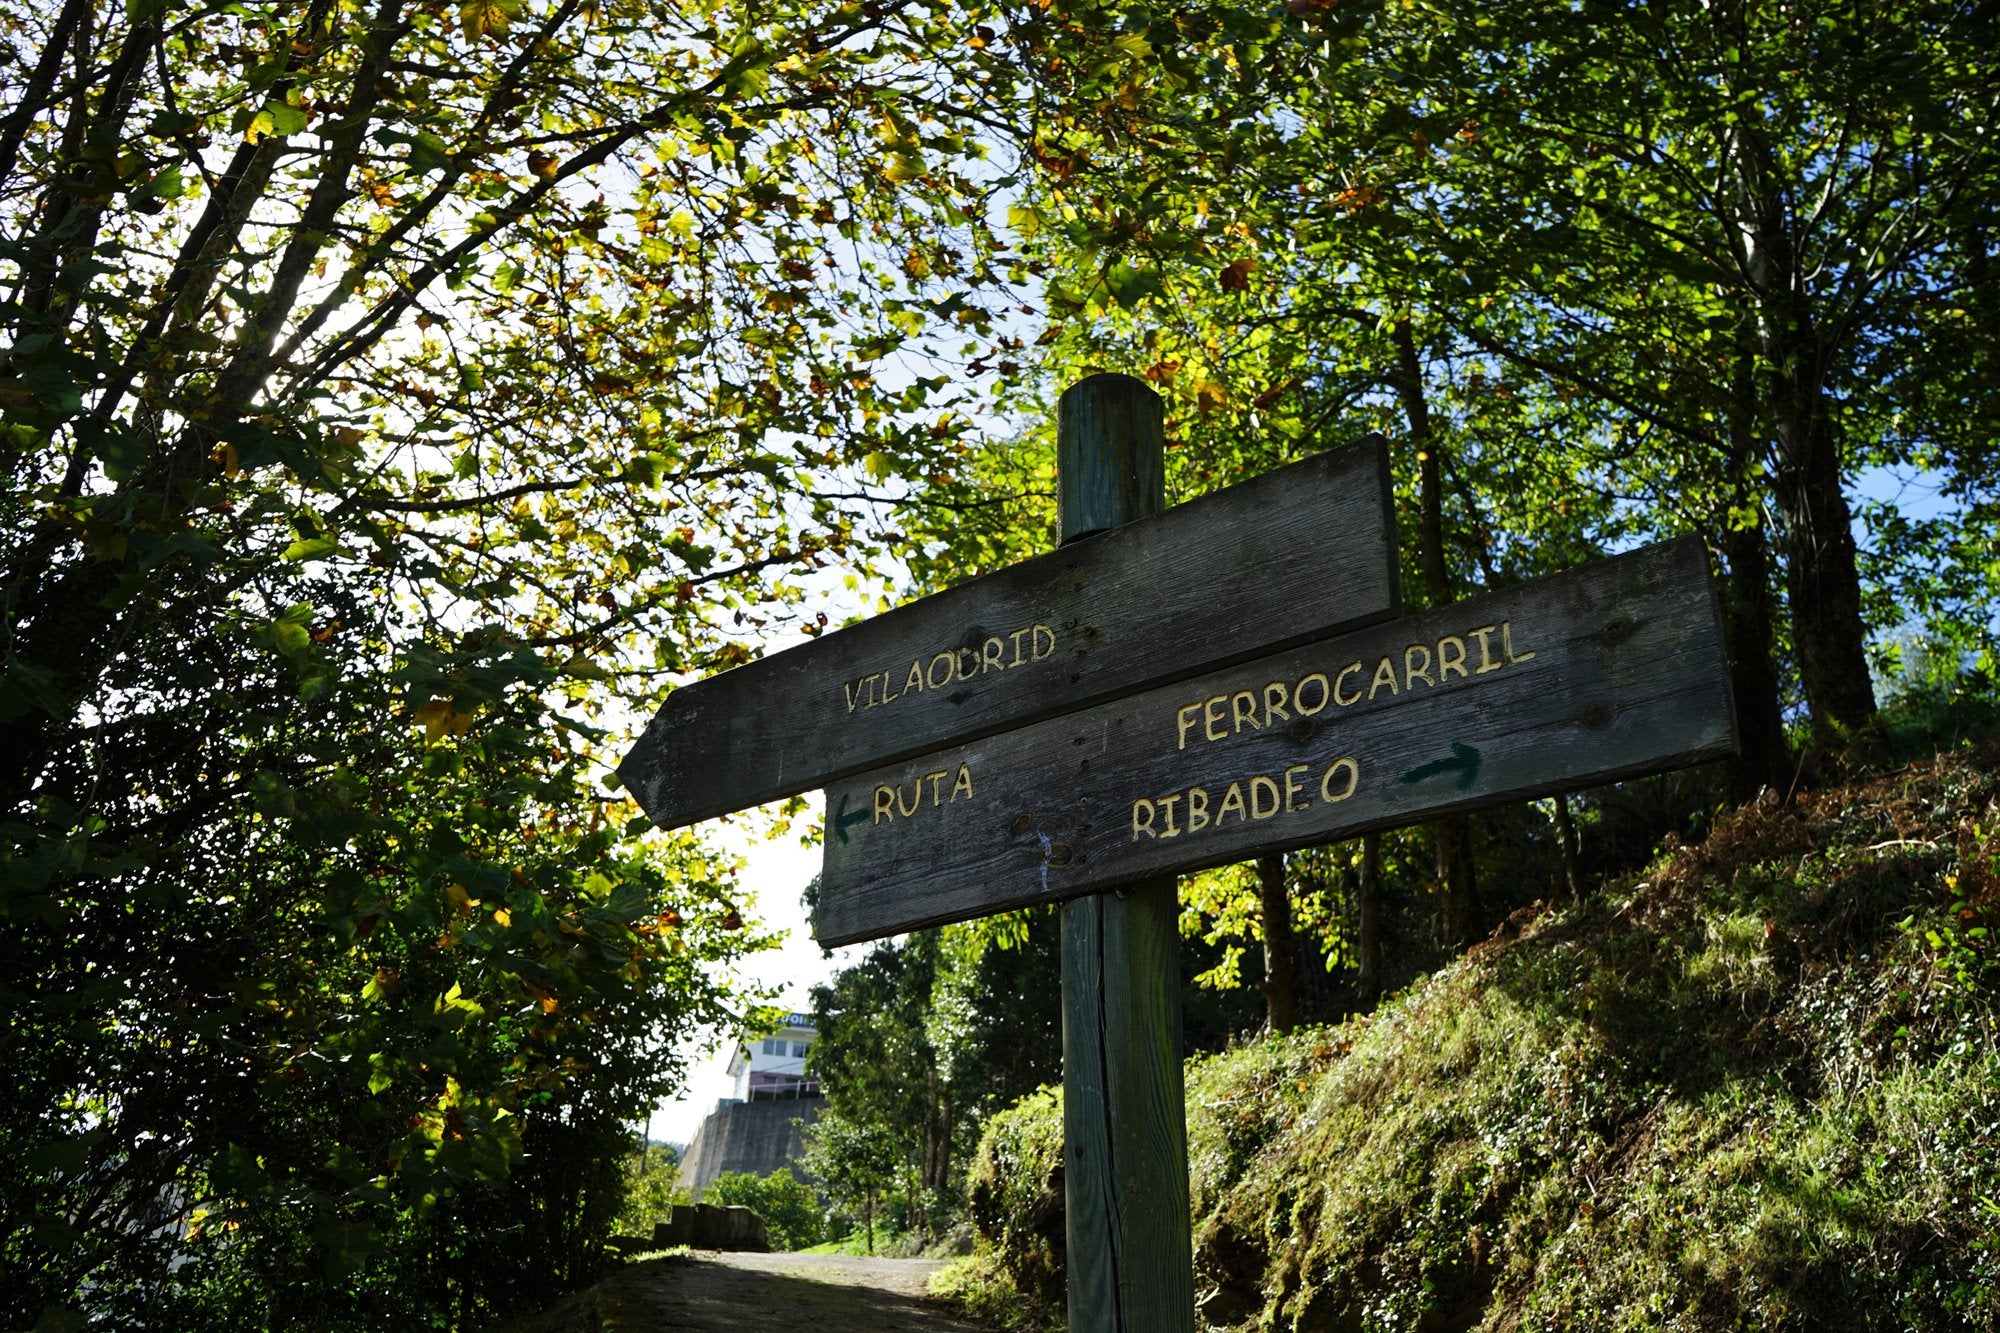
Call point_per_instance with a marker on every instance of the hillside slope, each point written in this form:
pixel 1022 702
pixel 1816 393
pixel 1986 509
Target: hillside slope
pixel 1755 1087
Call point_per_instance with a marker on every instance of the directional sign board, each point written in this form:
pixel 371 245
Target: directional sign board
pixel 1296 554
pixel 1607 671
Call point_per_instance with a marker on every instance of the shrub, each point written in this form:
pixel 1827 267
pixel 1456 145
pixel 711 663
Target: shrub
pixel 791 1211
pixel 1014 1195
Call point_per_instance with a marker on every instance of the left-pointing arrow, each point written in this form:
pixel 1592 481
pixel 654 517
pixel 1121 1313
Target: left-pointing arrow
pixel 842 820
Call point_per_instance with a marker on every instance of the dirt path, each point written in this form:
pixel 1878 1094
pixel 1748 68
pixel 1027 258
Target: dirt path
pixel 818 1293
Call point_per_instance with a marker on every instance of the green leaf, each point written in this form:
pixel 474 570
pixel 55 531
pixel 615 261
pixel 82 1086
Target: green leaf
pixel 166 185
pixel 647 469
pixel 285 118
pixel 291 640
pixel 312 548
pixel 271 795
pixel 428 153
pixel 116 447
pixel 1129 285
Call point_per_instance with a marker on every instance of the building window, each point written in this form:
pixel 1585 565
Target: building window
pixel 799 1049
pixel 774 1046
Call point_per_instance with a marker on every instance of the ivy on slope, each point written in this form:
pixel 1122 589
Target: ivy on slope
pixel 1758 1086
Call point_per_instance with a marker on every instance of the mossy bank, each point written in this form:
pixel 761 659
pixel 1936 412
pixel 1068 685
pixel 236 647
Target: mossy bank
pixel 1757 1086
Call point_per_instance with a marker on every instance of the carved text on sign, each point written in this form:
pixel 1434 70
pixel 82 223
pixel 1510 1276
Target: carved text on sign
pixel 1220 716
pixel 1259 797
pixel 1126 610
pixel 1609 670
pixel 889 797
pixel 997 652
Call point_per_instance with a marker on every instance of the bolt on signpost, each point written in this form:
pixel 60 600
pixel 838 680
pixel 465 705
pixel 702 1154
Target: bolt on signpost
pixel 1174 689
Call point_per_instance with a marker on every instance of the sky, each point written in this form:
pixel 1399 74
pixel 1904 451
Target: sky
pixel 777 874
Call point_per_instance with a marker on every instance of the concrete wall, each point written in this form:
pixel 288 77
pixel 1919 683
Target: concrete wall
pixel 757 1137
pixel 704 1228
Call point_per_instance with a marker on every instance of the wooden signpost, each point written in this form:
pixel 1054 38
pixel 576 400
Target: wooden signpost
pixel 1604 672
pixel 1295 554
pixel 1192 687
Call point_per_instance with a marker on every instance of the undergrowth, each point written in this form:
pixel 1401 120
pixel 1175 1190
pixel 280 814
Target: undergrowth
pixel 1756 1086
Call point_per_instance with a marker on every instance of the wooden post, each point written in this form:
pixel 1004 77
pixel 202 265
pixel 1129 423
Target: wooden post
pixel 1124 1106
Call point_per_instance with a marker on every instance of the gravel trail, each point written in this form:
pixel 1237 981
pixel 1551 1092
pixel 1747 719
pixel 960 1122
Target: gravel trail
pixel 711 1292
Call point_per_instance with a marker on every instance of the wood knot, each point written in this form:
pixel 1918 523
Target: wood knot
pixel 1022 823
pixel 1061 854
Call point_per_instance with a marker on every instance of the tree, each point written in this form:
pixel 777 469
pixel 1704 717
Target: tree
pixel 1711 224
pixel 853 1165
pixel 879 1070
pixel 1281 1000
pixel 1691 256
pixel 1608 274
pixel 790 1211
pixel 390 389
pixel 918 1043
pixel 652 1188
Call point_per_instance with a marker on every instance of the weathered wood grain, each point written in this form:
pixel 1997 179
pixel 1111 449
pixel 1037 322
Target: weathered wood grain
pixel 1125 1175
pixel 1607 671
pixel 1296 554
pixel 1124 1108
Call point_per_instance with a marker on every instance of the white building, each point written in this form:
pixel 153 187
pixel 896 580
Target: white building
pixel 774 1068
pixel 761 1127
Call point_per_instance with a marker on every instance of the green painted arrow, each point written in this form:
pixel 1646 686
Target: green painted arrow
pixel 1464 761
pixel 842 820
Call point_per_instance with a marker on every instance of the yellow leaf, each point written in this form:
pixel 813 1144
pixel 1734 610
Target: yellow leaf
pixel 503 917
pixel 479 17
pixel 548 1002
pixel 260 125
pixel 439 719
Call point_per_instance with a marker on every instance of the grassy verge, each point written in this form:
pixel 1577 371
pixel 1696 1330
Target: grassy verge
pixel 887 1244
pixel 1756 1086
pixel 981 1285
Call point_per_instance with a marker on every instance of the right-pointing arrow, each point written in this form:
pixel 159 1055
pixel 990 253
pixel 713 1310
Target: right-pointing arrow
pixel 1464 761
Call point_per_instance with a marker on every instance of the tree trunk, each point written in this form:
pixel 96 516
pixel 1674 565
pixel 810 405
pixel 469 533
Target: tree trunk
pixel 1451 837
pixel 1820 567
pixel 1368 914
pixel 1281 996
pixel 1746 601
pixel 1753 678
pixel 1821 574
pixel 1458 882
pixel 1566 836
